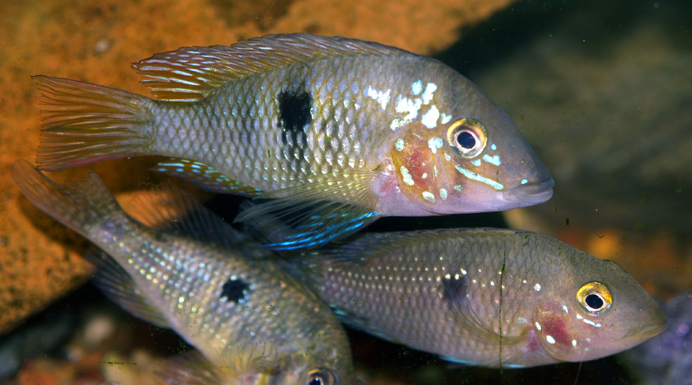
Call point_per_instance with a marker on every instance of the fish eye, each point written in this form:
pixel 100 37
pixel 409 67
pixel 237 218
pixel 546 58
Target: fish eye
pixel 320 376
pixel 467 137
pixel 595 298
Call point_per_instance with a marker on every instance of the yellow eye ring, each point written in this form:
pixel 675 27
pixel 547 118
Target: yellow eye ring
pixel 595 298
pixel 320 376
pixel 467 137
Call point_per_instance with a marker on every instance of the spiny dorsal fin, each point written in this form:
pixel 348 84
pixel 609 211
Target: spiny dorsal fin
pixel 190 73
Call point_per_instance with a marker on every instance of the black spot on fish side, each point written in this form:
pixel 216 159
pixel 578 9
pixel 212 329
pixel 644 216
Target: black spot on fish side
pixel 234 290
pixel 454 288
pixel 294 116
pixel 294 110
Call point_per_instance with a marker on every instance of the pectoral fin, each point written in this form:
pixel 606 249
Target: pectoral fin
pixel 313 213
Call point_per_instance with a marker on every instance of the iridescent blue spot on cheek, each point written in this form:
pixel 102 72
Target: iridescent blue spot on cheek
pixel 493 147
pixel 434 144
pixel 399 145
pixel 476 162
pixel 494 160
pixel 524 181
pixel 417 87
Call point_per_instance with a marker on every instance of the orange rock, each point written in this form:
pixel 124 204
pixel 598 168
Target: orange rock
pixel 39 259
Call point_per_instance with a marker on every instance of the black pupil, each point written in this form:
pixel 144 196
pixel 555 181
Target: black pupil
pixel 315 380
pixel 594 301
pixel 466 140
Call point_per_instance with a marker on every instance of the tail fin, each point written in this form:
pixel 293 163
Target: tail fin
pixel 86 123
pixel 79 205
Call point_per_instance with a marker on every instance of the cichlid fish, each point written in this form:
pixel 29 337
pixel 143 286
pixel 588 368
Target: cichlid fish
pixel 251 322
pixel 341 131
pixel 485 296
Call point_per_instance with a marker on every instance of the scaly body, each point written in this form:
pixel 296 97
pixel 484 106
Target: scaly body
pixel 485 297
pixel 240 311
pixel 354 130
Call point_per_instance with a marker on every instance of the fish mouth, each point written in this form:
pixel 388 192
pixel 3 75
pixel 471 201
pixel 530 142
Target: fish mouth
pixel 649 331
pixel 531 193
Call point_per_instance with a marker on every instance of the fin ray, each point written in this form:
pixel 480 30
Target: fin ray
pixel 314 218
pixel 85 123
pixel 189 74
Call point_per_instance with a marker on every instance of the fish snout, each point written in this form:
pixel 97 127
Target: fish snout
pixel 531 193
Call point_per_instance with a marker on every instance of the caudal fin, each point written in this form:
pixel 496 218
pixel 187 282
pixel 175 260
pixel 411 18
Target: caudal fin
pixel 79 205
pixel 86 123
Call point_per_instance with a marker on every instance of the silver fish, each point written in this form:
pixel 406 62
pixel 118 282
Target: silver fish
pixel 348 129
pixel 484 296
pixel 251 322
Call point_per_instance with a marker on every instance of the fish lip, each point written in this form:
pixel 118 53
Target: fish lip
pixel 531 193
pixel 649 331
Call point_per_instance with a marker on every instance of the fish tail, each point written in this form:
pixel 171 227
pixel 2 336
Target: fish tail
pixel 79 205
pixel 85 123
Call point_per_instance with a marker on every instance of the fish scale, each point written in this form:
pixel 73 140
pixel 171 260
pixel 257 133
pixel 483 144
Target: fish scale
pixel 197 276
pixel 284 114
pixel 483 296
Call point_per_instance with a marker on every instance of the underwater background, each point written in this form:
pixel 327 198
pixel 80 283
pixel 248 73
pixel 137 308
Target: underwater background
pixel 603 92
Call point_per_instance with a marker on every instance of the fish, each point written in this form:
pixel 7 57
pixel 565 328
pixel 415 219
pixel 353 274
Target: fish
pixel 333 132
pixel 249 321
pixel 486 297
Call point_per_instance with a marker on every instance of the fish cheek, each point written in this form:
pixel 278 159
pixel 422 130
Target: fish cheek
pixel 555 332
pixel 414 164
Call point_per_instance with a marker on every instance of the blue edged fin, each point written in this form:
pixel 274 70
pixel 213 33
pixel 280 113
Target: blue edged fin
pixel 189 74
pixel 314 219
pixel 118 286
pixel 205 176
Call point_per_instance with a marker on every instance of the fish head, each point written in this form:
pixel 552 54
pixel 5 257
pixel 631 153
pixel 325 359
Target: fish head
pixel 327 364
pixel 462 153
pixel 595 310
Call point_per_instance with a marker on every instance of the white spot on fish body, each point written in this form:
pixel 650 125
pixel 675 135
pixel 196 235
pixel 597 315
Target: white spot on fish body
pixel 429 119
pixel 472 175
pixel 550 339
pixel 524 181
pixel 435 168
pixel 443 193
pixel 457 187
pixel 494 160
pixel 445 118
pixel 564 307
pixel 476 162
pixel 425 175
pixel 538 326
pixel 399 145
pixel 382 98
pixel 434 144
pixel 574 342
pixel 537 287
pixel 447 157
pixel 428 93
pixel 417 87
pixel 406 176
pixel 429 196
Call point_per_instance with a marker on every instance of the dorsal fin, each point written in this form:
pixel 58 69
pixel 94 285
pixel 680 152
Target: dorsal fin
pixel 190 73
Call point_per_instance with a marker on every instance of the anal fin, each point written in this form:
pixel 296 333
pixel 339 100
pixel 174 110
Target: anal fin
pixel 205 177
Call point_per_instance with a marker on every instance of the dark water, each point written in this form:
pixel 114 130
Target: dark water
pixel 603 91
